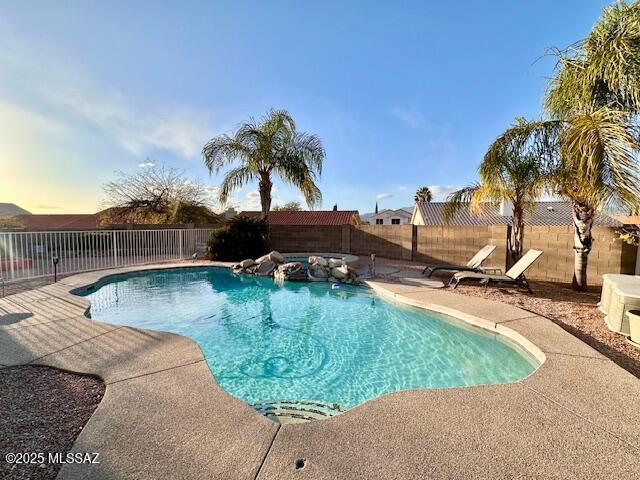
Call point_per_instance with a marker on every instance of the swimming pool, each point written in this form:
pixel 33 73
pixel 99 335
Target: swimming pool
pixel 266 342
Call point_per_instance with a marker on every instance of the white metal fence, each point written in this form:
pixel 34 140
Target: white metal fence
pixel 28 255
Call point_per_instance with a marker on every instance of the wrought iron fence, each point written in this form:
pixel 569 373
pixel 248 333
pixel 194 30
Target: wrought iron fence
pixel 29 255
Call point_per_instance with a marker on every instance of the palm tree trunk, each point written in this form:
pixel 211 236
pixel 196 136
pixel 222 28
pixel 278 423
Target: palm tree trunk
pixel 516 237
pixel 264 186
pixel 583 214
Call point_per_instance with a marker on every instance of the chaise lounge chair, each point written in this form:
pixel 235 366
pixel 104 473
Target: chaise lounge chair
pixel 515 275
pixel 472 265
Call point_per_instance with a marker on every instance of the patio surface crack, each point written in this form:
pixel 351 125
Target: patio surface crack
pixel 264 459
pixel 133 377
pixel 582 417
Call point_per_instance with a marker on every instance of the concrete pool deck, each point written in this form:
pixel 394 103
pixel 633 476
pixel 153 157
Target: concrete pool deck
pixel 164 416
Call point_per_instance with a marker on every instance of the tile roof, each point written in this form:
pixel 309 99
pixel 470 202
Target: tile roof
pixel 309 217
pixel 544 214
pixel 58 221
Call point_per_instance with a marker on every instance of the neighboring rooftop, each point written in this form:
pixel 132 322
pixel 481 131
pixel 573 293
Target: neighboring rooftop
pixel 543 214
pixel 309 217
pixel 11 210
pixel 400 211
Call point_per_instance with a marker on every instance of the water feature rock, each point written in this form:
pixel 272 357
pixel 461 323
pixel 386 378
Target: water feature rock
pixel 315 260
pixel 263 258
pixel 318 273
pixel 265 268
pixel 276 257
pixel 246 263
pixel 340 273
pixel 335 262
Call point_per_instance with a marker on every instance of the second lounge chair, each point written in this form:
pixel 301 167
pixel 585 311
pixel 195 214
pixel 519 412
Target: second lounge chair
pixel 472 265
pixel 514 275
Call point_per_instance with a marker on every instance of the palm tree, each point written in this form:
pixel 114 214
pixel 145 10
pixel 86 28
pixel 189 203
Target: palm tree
pixel 511 171
pixel 597 167
pixel 423 194
pixel 596 95
pixel 263 149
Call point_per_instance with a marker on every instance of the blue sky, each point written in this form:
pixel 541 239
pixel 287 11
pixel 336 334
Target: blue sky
pixel 402 94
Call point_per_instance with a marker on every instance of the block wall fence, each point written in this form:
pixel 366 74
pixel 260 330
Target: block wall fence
pixel 456 244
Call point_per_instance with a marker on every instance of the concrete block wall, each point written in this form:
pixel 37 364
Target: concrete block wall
pixel 389 241
pixel 454 244
pixel 608 255
pixel 302 238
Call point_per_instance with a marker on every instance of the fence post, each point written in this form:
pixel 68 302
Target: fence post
pixel 114 244
pixel 180 241
pixel 11 256
pixel 414 242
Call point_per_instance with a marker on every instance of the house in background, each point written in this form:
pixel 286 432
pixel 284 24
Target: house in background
pixel 388 217
pixel 309 217
pixel 542 214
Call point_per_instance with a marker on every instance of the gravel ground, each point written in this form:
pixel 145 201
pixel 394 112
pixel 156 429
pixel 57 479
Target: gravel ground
pixel 42 409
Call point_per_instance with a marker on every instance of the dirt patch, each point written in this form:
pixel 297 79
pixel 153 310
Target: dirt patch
pixel 576 312
pixel 42 409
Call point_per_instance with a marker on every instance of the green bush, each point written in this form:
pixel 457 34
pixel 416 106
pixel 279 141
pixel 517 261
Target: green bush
pixel 241 238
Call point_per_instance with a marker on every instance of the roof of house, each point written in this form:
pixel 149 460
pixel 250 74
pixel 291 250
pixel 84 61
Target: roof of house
pixel 58 221
pixel 401 211
pixel 308 217
pixel 543 214
pixel 11 210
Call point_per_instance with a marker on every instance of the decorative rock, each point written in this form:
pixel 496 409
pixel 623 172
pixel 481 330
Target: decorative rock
pixel 340 273
pixel 276 257
pixel 265 268
pixel 335 262
pixel 317 273
pixel 314 260
pixel 246 263
pixel 263 258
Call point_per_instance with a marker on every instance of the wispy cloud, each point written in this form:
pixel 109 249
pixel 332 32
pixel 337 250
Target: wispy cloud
pixel 382 196
pixel 440 192
pixel 147 164
pixel 180 130
pixel 402 188
pixel 411 118
pixel 48 207
pixel 64 89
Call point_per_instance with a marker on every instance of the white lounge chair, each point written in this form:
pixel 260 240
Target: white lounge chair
pixel 515 275
pixel 472 265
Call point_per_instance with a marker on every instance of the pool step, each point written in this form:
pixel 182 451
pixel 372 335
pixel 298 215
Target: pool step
pixel 297 411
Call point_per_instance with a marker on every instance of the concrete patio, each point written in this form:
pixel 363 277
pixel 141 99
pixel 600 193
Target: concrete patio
pixel 163 415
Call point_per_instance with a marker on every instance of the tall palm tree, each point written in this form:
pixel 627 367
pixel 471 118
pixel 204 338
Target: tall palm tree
pixel 596 94
pixel 423 194
pixel 511 171
pixel 263 149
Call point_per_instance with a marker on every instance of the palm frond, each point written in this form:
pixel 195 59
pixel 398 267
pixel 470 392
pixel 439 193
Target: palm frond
pixel 600 158
pixel 458 199
pixel 234 179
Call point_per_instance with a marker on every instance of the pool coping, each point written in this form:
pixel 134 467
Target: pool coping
pixel 73 340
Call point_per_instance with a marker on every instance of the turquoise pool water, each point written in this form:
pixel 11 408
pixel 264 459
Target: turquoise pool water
pixel 307 341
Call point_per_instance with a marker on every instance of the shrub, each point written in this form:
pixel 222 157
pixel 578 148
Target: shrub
pixel 241 238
